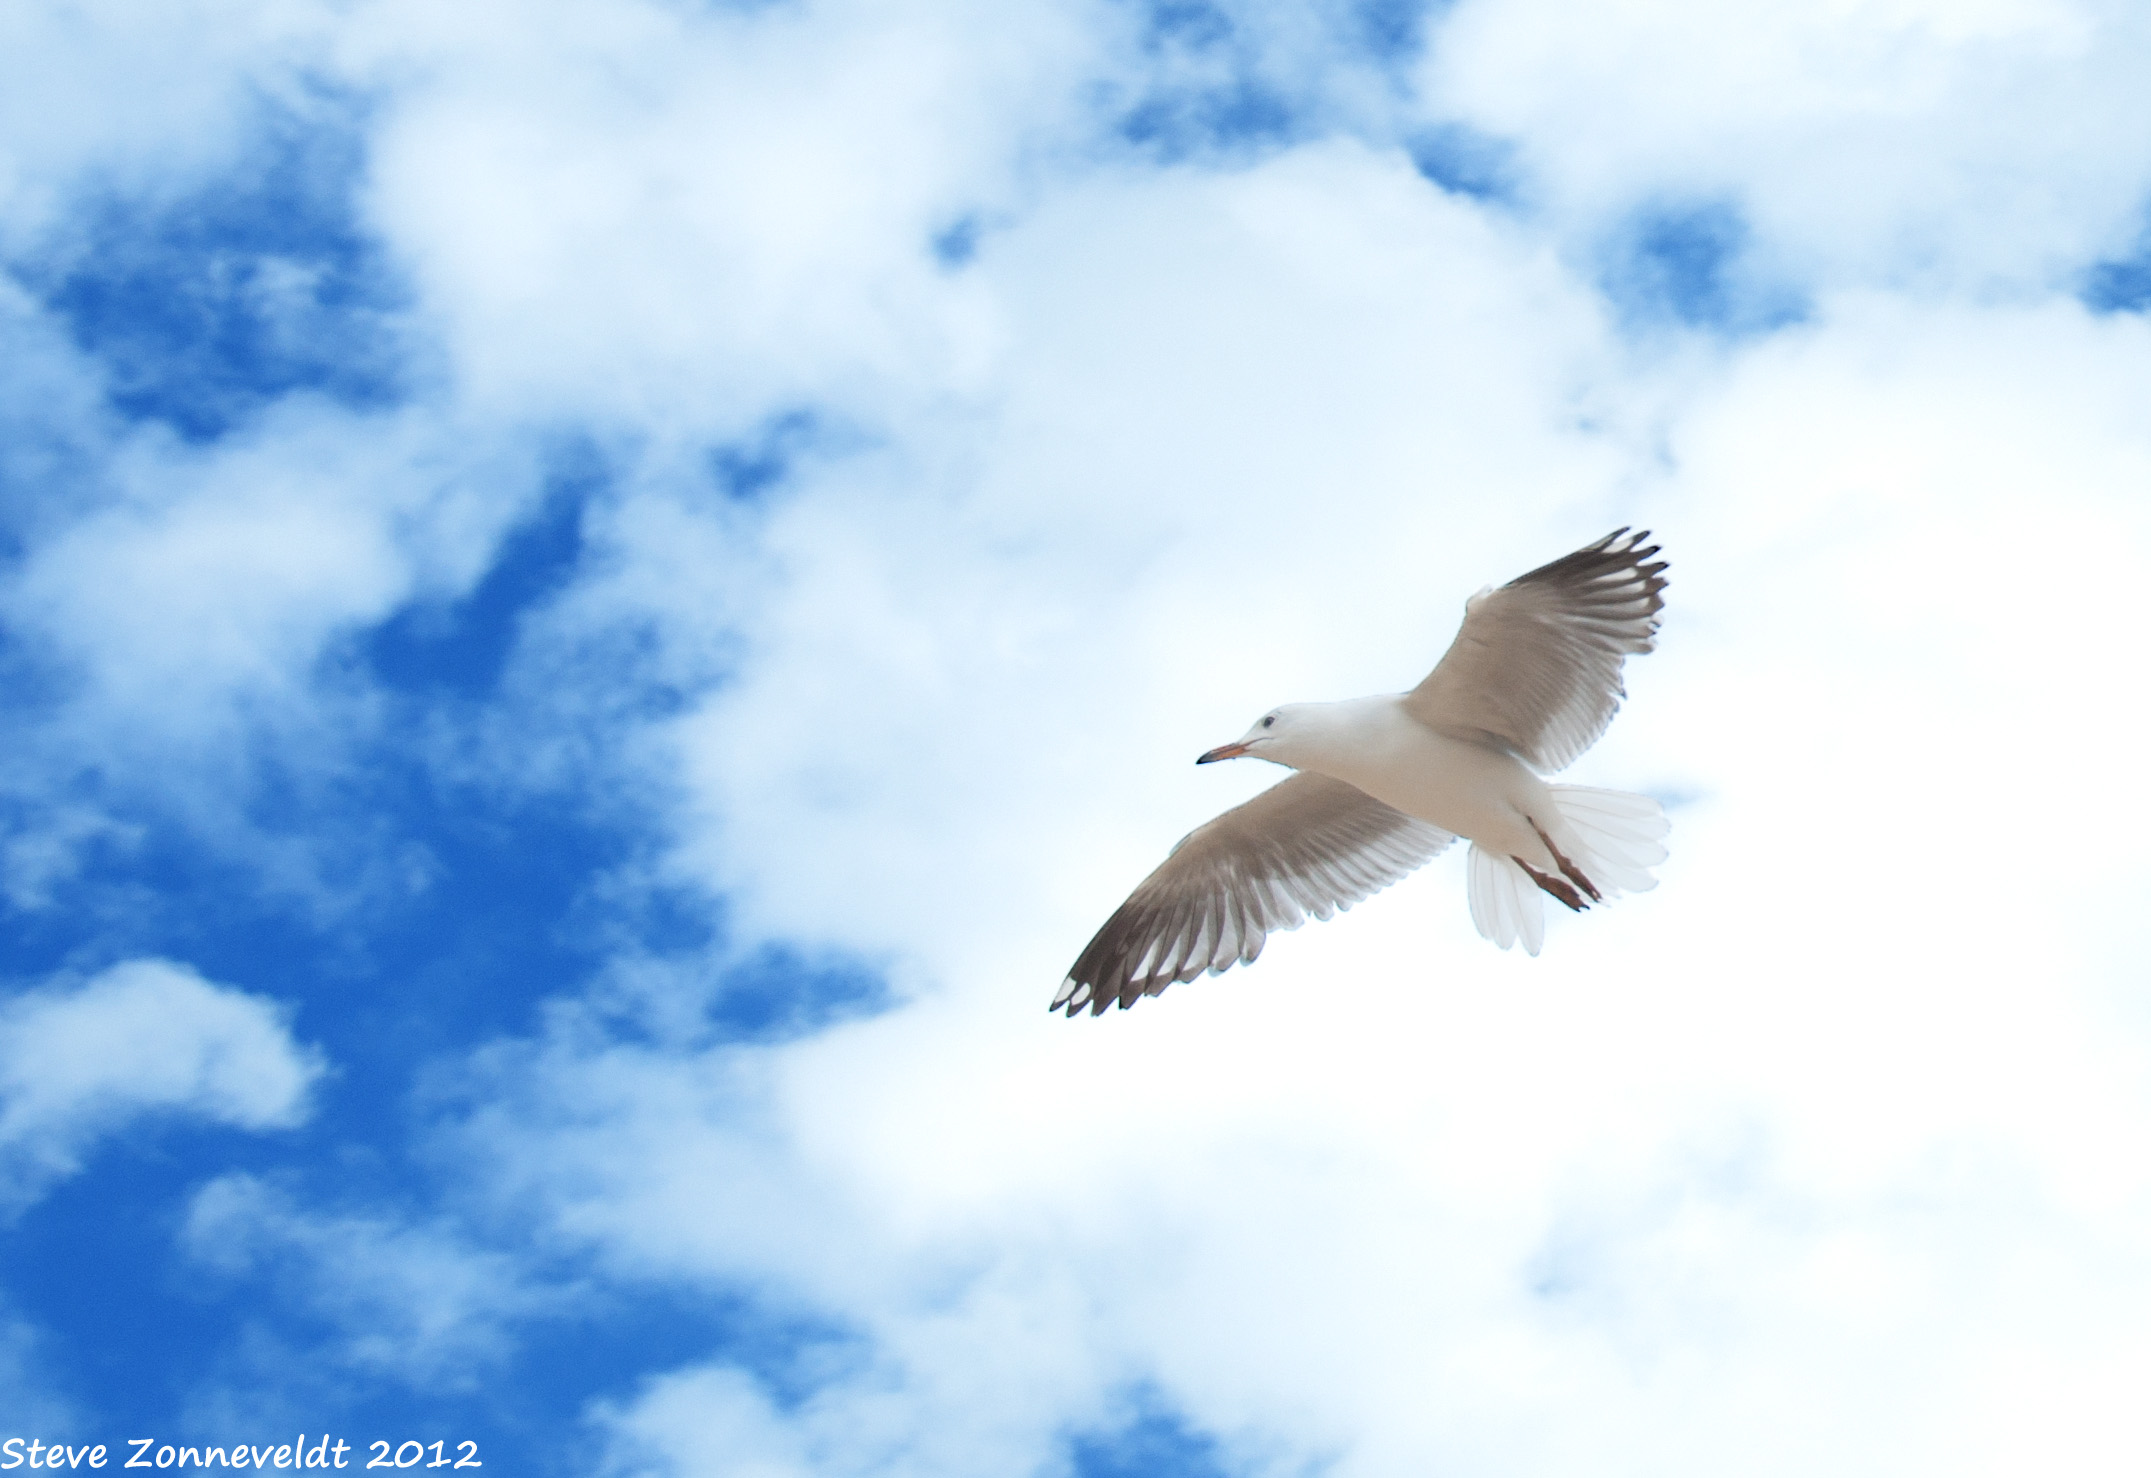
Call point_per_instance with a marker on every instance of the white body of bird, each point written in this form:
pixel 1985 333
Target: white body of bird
pixel 1472 790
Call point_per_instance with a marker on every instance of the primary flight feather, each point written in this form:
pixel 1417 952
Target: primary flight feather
pixel 1385 783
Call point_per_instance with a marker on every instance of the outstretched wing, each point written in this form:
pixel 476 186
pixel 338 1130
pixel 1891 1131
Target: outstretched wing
pixel 1537 665
pixel 1307 845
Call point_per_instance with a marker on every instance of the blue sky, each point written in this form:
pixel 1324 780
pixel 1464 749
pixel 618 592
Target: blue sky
pixel 596 599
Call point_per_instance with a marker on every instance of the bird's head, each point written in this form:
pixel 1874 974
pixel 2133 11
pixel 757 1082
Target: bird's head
pixel 1272 738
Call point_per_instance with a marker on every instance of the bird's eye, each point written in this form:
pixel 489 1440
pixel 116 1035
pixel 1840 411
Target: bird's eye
pixel 1268 719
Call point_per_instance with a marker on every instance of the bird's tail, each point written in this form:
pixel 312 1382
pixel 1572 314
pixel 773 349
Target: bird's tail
pixel 1504 901
pixel 1611 837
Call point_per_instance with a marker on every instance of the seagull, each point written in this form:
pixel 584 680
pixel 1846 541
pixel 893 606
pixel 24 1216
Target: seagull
pixel 1385 784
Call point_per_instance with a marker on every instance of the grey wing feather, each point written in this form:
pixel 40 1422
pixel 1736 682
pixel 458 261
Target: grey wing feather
pixel 1307 845
pixel 1537 666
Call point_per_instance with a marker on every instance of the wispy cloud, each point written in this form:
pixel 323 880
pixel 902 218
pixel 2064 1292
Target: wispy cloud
pixel 416 1303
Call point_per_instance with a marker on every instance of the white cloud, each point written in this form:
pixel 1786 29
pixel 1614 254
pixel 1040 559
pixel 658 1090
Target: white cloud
pixel 708 1421
pixel 409 1300
pixel 1946 147
pixel 26 1389
pixel 1799 1162
pixel 198 601
pixel 188 617
pixel 80 1062
pixel 1823 1156
pixel 94 96
pixel 640 217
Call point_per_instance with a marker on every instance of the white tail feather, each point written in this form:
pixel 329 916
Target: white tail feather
pixel 1617 837
pixel 1613 837
pixel 1505 902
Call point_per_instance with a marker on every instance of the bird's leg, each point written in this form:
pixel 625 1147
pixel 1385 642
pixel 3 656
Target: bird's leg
pixel 1561 891
pixel 1568 868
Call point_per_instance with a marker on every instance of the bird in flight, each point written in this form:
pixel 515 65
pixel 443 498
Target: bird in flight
pixel 1384 784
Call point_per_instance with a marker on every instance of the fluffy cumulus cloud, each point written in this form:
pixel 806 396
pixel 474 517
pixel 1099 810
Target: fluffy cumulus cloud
pixel 83 1060
pixel 833 467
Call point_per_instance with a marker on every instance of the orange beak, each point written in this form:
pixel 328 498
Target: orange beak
pixel 1222 752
